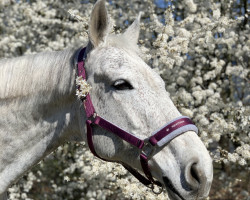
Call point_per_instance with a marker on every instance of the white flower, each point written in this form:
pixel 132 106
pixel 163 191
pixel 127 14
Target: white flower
pixel 242 162
pixel 231 157
pixel 216 13
pixel 66 178
pixel 83 87
pixel 191 5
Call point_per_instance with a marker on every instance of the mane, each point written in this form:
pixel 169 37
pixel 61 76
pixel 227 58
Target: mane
pixel 26 75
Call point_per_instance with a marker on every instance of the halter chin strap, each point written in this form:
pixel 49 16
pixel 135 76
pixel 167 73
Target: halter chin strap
pixel 146 147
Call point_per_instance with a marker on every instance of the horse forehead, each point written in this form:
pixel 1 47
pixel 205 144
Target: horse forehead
pixel 112 57
pixel 116 60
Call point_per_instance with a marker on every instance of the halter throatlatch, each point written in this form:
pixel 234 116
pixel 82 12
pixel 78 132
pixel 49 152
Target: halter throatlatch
pixel 146 147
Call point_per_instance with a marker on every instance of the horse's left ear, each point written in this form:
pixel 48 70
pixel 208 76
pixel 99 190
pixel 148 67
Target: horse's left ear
pixel 133 31
pixel 99 23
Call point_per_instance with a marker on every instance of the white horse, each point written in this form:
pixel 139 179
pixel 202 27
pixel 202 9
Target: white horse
pixel 39 110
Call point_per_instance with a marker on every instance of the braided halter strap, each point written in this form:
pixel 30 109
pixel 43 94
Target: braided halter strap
pixel 147 147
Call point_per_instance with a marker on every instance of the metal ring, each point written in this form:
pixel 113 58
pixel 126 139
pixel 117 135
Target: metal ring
pixel 158 191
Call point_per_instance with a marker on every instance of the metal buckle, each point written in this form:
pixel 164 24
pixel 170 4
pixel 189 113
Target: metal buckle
pixel 92 118
pixel 148 149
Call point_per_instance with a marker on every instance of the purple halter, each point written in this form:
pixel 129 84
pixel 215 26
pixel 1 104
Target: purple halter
pixel 147 147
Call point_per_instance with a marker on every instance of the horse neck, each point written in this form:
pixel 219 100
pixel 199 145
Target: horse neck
pixel 37 108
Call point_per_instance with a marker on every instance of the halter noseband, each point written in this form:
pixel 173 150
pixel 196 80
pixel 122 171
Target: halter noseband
pixel 147 147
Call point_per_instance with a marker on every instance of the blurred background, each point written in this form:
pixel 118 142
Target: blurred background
pixel 201 50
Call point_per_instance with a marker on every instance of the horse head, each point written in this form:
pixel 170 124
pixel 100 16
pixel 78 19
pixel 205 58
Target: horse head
pixel 131 95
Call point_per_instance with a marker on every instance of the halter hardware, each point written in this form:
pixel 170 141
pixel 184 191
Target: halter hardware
pixel 146 147
pixel 158 190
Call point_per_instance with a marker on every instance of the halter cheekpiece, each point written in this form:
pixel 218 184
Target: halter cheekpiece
pixel 146 147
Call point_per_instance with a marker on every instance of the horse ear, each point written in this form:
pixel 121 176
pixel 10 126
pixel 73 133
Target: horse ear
pixel 133 31
pixel 99 23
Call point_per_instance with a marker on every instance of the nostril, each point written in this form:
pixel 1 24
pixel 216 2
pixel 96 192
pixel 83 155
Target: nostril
pixel 192 176
pixel 194 173
pixel 197 179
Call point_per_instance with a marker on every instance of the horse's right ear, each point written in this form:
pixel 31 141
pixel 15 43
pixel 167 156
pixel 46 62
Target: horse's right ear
pixel 99 23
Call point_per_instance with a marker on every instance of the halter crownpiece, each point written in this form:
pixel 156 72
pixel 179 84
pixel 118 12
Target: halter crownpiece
pixel 147 147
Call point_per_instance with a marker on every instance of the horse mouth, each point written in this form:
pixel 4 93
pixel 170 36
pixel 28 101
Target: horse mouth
pixel 172 191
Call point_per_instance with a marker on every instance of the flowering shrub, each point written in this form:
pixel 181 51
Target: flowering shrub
pixel 201 50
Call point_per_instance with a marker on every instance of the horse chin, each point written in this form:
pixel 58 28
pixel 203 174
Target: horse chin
pixel 173 196
pixel 173 193
pixel 185 194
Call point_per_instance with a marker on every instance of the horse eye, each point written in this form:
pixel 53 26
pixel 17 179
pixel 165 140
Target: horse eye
pixel 122 85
